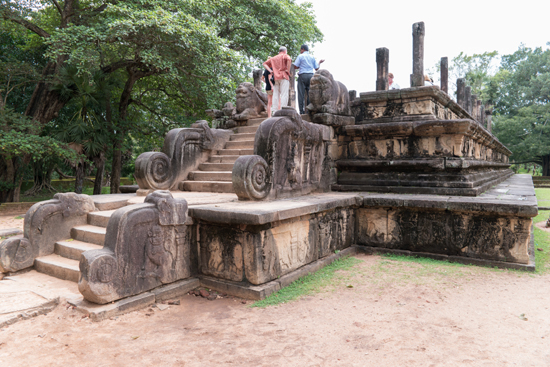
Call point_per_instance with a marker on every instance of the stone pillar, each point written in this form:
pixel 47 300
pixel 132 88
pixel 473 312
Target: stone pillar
pixel 489 117
pixel 468 99
pixel 292 89
pixel 478 111
pixel 473 106
pixel 257 75
pixel 482 116
pixel 352 95
pixel 444 74
pixel 382 64
pixel 417 77
pixel 460 85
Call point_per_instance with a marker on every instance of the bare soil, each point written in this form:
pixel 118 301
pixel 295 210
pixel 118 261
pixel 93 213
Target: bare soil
pixel 396 314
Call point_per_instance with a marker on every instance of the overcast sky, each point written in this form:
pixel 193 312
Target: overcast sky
pixel 354 29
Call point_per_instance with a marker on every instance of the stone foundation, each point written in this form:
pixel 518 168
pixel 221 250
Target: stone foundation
pixel 417 140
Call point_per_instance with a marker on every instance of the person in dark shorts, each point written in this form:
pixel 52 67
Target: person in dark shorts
pixel 269 81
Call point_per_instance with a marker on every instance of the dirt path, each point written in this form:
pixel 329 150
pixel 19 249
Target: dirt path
pixel 396 314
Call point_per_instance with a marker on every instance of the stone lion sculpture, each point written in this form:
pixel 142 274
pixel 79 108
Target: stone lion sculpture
pixel 327 95
pixel 250 102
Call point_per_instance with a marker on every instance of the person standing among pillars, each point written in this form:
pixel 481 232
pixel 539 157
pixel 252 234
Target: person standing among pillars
pixel 306 65
pixel 391 83
pixel 279 66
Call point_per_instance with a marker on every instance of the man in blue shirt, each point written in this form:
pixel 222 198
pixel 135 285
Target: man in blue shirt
pixel 306 65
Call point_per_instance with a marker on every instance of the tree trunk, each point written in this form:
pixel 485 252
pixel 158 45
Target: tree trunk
pixel 546 165
pixel 116 165
pixel 100 164
pixel 11 177
pixel 79 179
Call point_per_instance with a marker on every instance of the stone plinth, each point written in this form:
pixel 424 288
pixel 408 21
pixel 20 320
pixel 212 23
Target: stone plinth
pixel 258 242
pixel 417 140
pixel 493 227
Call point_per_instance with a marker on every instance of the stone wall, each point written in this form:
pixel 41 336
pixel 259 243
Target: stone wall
pixel 417 140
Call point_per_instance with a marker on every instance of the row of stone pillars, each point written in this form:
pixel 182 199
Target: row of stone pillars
pixel 465 98
pixel 417 77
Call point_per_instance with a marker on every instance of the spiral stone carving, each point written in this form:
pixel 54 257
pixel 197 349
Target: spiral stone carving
pixel 251 178
pixel 154 171
pixel 17 253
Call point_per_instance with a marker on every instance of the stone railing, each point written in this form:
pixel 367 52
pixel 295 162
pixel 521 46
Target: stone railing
pixel 146 245
pixel 184 149
pixel 46 223
pixel 291 159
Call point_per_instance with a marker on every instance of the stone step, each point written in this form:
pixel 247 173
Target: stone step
pixel 247 129
pixel 256 122
pixel 241 137
pixel 58 267
pixel 236 151
pixel 72 249
pixel 207 186
pixel 209 176
pixel 226 167
pixel 223 158
pixel 100 219
pixel 243 144
pixel 88 233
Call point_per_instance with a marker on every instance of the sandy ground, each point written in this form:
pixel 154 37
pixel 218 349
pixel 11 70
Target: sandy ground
pixel 395 314
pixel 10 221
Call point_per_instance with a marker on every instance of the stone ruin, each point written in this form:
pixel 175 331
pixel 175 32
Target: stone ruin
pixel 406 171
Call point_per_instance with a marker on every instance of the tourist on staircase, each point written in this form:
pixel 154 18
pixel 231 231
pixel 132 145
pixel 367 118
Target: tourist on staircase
pixel 279 66
pixel 306 65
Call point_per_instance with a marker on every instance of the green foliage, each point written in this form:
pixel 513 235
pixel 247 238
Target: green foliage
pixel 18 136
pixel 521 93
pixel 477 69
pixel 332 275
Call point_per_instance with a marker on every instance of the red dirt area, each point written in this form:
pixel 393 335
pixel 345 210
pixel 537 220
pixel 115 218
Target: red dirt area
pixel 382 312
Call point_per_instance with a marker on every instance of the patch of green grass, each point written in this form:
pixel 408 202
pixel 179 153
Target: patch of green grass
pixel 542 258
pixel 19 217
pixel 90 190
pixel 331 276
pixel 543 196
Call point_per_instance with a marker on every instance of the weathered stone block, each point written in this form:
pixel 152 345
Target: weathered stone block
pixel 146 245
pixel 46 223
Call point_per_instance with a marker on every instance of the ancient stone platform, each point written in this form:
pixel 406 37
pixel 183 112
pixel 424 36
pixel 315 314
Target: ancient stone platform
pixel 418 141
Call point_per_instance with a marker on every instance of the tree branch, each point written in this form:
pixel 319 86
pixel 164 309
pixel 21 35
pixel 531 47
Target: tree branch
pixel 58 7
pixel 117 65
pixel 25 23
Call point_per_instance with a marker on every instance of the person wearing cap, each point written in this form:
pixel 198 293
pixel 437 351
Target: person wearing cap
pixel 306 65
pixel 279 66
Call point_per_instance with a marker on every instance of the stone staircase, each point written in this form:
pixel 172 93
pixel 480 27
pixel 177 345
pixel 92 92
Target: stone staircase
pixel 215 175
pixel 64 262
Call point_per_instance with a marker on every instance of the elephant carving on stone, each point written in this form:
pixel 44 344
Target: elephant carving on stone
pixel 329 100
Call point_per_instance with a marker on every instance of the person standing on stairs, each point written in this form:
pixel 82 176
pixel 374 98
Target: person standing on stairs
pixel 306 65
pixel 279 66
pixel 269 83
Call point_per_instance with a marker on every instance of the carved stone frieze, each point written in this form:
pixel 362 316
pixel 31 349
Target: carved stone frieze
pixel 479 236
pixel 146 245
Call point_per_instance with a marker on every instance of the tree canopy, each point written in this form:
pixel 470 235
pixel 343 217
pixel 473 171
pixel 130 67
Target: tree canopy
pixel 165 61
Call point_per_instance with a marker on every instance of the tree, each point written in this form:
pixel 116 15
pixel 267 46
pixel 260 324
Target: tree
pixel 195 50
pixel 521 92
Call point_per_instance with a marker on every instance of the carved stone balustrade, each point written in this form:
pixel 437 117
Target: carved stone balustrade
pixel 146 245
pixel 292 158
pixel 46 223
pixel 184 149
